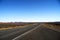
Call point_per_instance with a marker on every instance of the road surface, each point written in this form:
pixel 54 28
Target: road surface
pixel 36 32
pixel 39 33
pixel 10 34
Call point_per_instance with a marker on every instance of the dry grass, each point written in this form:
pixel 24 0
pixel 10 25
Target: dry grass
pixel 15 27
pixel 52 26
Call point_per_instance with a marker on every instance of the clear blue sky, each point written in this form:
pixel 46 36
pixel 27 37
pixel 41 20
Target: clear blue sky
pixel 29 10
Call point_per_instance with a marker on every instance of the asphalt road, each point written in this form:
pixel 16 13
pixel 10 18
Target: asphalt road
pixel 10 34
pixel 39 33
pixel 36 32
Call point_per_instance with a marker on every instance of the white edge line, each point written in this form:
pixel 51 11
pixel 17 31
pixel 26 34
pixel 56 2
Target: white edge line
pixel 18 37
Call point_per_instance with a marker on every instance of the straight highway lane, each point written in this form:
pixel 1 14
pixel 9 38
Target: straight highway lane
pixel 10 34
pixel 40 33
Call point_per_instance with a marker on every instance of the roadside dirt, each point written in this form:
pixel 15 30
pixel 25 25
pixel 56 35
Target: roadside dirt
pixel 52 26
pixel 8 28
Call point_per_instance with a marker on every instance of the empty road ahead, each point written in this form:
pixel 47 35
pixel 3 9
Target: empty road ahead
pixel 10 34
pixel 39 33
pixel 36 32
